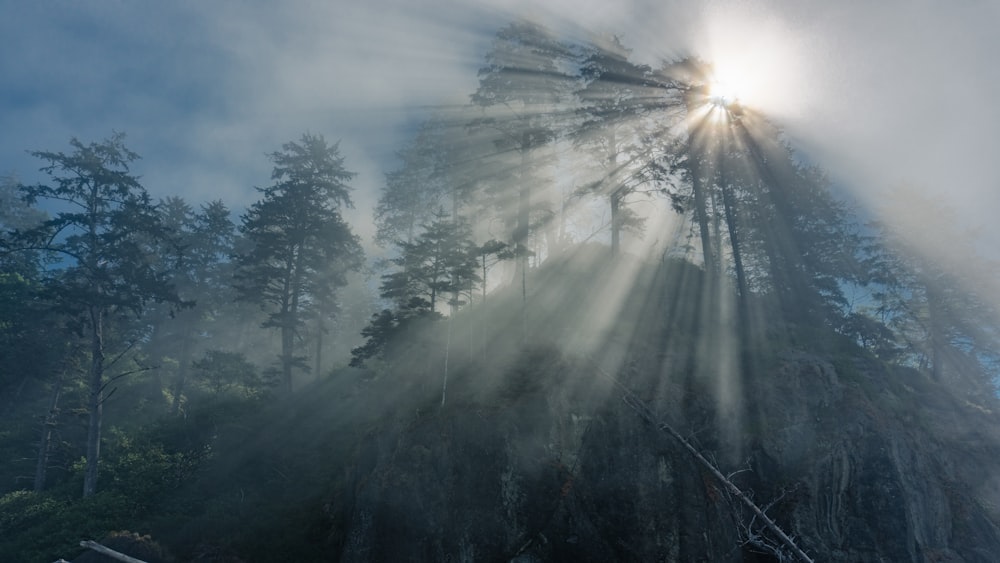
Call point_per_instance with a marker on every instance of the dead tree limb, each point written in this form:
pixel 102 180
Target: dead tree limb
pixel 109 552
pixel 640 407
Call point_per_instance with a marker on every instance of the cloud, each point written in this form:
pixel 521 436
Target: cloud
pixel 205 90
pixel 904 94
pixel 880 94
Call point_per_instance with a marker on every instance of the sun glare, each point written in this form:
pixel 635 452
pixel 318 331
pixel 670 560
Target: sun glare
pixel 721 94
pixel 754 60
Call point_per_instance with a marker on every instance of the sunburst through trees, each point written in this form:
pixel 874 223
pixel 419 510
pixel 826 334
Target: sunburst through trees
pixel 624 229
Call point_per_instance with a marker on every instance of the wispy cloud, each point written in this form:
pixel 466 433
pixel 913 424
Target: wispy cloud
pixel 879 94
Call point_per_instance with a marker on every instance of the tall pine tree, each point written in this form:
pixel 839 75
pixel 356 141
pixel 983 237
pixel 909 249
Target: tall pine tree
pixel 102 244
pixel 301 247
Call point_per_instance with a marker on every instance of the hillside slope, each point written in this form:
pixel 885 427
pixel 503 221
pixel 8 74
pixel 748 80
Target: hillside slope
pixel 539 451
pixel 546 477
pixel 857 460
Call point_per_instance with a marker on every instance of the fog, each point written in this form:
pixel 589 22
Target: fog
pixel 880 95
pixel 894 102
pixel 436 256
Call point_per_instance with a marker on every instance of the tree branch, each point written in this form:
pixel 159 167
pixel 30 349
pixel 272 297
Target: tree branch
pixel 647 414
pixel 125 374
pixel 109 552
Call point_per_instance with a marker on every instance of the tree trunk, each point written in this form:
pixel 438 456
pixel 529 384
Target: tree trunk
pixel 290 322
pixel 616 221
pixel 483 316
pixel 95 404
pixel 695 153
pixel 935 330
pixel 454 278
pixel 743 308
pixel 287 343
pixel 701 215
pixel 716 223
pixel 617 192
pixel 563 207
pixel 734 242
pixel 797 296
pixel 44 444
pixel 522 230
pixel 447 355
pixel 484 278
pixel 319 343
pixel 182 367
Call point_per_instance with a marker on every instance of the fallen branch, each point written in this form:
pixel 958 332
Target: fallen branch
pixel 109 552
pixel 759 540
pixel 640 407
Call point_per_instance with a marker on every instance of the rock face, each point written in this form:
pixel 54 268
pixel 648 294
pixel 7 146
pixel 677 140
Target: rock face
pixel 856 462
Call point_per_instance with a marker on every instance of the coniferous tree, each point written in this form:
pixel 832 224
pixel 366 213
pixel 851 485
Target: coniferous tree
pixel 792 226
pixel 102 244
pixel 301 247
pixel 16 215
pixel 381 329
pixel 415 191
pixel 626 114
pixel 197 254
pixel 29 347
pixel 36 350
pixel 441 264
pixel 927 284
pixel 20 289
pixel 522 89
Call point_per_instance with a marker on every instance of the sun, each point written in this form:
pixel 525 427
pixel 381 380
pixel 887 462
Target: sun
pixel 722 94
pixel 735 81
pixel 755 61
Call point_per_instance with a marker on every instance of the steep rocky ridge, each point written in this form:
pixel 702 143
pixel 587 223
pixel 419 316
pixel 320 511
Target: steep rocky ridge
pixel 536 456
pixel 545 477
pixel 858 460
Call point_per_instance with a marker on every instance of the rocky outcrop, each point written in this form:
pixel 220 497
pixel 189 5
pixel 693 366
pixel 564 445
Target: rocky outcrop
pixel 857 462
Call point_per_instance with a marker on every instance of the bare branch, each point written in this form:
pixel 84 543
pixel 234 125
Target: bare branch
pixel 640 407
pixel 109 552
pixel 124 374
pixel 119 356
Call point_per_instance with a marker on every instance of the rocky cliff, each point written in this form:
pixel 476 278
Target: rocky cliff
pixel 859 466
pixel 855 459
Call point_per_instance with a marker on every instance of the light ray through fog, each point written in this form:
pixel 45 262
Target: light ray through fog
pixel 852 92
pixel 675 114
pixel 767 225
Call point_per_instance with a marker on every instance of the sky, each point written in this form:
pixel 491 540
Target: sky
pixel 884 96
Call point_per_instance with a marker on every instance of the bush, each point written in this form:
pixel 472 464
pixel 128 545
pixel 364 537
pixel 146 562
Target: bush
pixel 45 527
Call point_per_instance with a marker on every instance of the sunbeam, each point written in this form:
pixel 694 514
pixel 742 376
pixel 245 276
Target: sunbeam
pixel 563 282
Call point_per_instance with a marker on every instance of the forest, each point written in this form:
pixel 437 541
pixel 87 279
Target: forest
pixel 588 238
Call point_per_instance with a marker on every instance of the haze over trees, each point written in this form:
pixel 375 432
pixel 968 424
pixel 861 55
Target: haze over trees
pixel 614 211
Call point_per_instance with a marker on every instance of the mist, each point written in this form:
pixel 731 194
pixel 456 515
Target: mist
pixel 887 97
pixel 501 280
